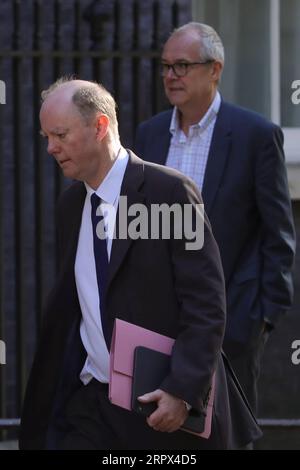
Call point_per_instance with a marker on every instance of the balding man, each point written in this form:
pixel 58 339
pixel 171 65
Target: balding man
pixel 158 284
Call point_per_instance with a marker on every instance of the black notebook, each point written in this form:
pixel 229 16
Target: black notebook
pixel 149 370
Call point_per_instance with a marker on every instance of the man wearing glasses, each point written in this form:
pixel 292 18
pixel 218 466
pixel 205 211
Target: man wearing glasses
pixel 236 159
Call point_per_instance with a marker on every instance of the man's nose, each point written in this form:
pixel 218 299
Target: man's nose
pixel 170 73
pixel 52 147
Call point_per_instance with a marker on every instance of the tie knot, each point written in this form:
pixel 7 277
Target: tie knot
pixel 95 201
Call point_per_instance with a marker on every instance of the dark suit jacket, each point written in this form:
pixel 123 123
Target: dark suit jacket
pixel 246 198
pixel 152 283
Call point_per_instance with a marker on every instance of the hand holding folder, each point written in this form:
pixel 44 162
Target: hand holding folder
pixel 150 369
pixel 140 360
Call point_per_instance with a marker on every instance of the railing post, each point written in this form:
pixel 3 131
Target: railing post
pixel 100 15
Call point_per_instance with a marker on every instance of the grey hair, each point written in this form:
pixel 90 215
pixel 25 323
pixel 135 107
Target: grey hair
pixel 89 99
pixel 211 46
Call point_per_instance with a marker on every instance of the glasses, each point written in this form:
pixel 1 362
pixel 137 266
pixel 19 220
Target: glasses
pixel 180 69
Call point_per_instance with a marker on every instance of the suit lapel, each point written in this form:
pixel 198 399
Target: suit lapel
pixel 133 179
pixel 162 140
pixel 217 157
pixel 164 144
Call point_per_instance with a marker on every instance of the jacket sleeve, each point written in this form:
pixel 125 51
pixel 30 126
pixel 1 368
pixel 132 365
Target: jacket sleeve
pixel 278 233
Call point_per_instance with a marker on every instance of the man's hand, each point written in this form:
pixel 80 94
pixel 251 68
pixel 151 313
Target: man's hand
pixel 171 411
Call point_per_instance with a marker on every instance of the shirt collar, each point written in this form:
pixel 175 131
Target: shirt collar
pixel 110 187
pixel 203 123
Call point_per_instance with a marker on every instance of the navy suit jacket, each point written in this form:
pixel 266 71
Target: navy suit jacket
pixel 246 198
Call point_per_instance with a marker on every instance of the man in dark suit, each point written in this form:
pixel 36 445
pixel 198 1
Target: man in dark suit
pixel 236 158
pixel 156 283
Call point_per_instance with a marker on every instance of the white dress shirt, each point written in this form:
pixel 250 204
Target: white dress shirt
pixel 189 154
pixel 97 362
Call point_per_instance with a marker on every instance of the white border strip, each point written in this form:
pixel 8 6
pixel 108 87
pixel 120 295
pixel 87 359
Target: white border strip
pixel 275 60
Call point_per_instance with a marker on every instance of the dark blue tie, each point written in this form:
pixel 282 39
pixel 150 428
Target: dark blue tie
pixel 101 263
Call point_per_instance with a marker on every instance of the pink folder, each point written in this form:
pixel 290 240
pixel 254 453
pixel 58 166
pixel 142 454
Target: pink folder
pixel 126 337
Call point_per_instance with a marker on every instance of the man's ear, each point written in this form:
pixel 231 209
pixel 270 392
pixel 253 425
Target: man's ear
pixel 216 70
pixel 102 125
